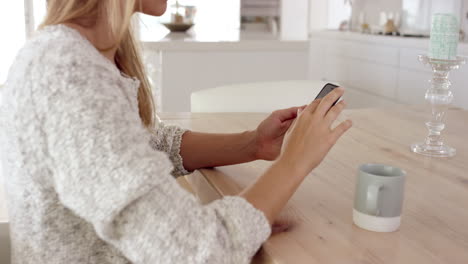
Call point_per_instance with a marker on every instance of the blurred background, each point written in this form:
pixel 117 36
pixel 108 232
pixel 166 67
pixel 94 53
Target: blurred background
pixel 203 44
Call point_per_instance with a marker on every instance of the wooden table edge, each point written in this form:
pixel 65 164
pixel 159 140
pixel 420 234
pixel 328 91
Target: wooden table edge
pixel 206 191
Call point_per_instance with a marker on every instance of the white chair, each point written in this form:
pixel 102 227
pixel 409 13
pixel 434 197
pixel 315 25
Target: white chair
pixel 256 97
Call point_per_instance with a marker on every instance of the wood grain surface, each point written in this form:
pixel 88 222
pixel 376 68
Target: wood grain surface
pixel 434 225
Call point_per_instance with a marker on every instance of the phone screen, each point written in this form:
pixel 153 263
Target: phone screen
pixel 326 90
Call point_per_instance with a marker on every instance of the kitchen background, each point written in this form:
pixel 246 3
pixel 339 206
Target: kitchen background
pixel 368 46
pixel 245 41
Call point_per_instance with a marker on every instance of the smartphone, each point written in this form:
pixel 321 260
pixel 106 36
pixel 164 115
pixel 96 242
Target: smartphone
pixel 326 90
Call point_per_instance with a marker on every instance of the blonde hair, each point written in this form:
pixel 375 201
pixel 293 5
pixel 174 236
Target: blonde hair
pixel 118 14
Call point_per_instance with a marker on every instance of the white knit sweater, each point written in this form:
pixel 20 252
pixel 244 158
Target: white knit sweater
pixel 83 182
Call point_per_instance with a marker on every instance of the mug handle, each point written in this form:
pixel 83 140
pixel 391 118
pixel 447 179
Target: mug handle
pixel 372 199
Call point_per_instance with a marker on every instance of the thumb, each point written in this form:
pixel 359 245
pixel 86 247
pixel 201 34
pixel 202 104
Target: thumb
pixel 287 124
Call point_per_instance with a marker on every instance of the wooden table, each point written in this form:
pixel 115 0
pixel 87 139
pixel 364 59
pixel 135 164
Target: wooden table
pixel 434 225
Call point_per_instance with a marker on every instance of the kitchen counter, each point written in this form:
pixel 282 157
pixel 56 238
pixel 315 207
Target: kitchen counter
pixel 158 37
pixel 182 63
pixel 379 70
pixel 397 41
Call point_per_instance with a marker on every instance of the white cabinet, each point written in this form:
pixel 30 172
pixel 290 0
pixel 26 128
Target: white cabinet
pixel 368 72
pixel 412 86
pixel 379 70
pixel 459 81
pixel 374 78
pixel 335 68
pixel 184 68
pixel 293 19
pixel 359 99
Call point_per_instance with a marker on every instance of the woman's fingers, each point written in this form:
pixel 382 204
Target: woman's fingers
pixel 313 106
pixel 286 114
pixel 338 131
pixel 327 102
pixel 287 124
pixel 334 112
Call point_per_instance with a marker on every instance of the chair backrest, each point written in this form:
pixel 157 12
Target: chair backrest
pixel 256 97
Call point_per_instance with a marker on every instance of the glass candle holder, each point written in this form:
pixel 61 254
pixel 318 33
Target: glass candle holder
pixel 439 96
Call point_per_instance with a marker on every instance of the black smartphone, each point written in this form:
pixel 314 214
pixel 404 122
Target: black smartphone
pixel 326 90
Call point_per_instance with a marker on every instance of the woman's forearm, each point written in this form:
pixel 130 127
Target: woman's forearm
pixel 270 192
pixel 201 150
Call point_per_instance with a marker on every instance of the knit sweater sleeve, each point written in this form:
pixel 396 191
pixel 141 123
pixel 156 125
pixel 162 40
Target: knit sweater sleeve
pixel 168 138
pixel 105 172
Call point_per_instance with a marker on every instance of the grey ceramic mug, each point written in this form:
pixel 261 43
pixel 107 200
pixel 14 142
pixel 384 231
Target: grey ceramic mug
pixel 378 198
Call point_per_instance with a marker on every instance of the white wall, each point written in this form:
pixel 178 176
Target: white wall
pixel 373 8
pixel 318 15
pixel 327 14
pixel 294 19
pixel 338 11
pixel 11 25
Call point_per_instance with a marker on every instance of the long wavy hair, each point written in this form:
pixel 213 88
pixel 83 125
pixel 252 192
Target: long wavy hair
pixel 119 16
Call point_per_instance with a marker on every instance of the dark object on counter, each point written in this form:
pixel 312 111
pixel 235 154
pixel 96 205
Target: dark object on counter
pixel 178 27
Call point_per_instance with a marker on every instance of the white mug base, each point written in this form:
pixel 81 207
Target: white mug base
pixel 376 223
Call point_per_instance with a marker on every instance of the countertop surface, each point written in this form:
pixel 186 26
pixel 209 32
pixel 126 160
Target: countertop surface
pixel 398 41
pixel 198 39
pixel 211 40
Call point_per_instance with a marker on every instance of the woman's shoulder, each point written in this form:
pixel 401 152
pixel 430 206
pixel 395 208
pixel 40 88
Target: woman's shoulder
pixel 61 64
pixel 58 56
pixel 58 49
pixel 60 45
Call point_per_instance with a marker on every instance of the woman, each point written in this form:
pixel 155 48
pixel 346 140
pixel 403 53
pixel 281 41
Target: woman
pixel 85 186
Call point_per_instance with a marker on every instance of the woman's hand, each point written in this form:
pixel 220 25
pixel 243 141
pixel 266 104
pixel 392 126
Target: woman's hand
pixel 311 137
pixel 270 133
pixel 305 145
